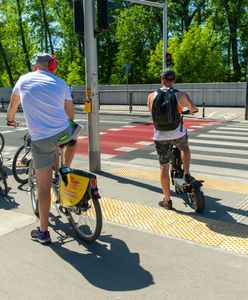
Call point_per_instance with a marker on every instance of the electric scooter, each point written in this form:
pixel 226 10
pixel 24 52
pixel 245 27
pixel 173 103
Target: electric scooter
pixel 195 197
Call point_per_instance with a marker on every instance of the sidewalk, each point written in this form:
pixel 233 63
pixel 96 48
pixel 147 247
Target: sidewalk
pixel 224 113
pixel 144 251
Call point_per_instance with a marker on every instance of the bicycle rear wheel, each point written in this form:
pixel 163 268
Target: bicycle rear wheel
pixel 86 218
pixel 20 165
pixel 2 142
pixel 33 189
pixel 3 183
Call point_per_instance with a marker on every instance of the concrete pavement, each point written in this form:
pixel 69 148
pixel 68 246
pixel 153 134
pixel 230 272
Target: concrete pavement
pixel 144 251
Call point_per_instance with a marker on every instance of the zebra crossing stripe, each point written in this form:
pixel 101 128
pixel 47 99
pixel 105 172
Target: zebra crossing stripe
pixel 228 132
pixel 212 142
pixel 224 159
pixel 218 150
pixel 218 171
pixel 234 128
pixel 221 137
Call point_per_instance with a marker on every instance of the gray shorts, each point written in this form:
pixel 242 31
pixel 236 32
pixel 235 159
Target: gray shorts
pixel 43 151
pixel 164 148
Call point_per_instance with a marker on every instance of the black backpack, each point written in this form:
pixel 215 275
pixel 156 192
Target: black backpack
pixel 165 114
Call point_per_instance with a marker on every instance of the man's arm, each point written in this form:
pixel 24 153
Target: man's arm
pixel 12 108
pixel 150 101
pixel 185 101
pixel 69 109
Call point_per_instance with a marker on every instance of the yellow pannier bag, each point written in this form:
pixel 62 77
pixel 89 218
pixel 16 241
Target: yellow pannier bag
pixel 75 189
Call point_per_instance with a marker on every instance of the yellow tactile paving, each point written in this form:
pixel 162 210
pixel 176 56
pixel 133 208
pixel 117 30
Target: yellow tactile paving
pixel 211 183
pixel 232 237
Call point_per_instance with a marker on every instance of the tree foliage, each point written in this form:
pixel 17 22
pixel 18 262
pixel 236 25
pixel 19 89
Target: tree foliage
pixel 208 40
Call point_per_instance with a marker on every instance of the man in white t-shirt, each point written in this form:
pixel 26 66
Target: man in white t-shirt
pixel 165 139
pixel 48 111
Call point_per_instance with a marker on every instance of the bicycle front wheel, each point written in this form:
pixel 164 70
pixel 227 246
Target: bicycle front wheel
pixel 3 183
pixel 86 219
pixel 20 165
pixel 33 189
pixel 2 142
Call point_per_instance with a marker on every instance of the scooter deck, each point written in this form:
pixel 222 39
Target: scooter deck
pixel 178 181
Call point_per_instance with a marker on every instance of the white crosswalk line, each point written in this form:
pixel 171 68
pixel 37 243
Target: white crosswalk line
pixel 228 132
pixel 212 142
pixel 221 137
pixel 234 128
pixel 224 159
pixel 218 150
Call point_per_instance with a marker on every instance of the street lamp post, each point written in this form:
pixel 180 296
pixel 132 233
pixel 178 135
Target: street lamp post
pixel 164 6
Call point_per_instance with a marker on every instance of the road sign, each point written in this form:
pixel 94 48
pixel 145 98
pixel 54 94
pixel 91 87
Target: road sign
pixel 127 67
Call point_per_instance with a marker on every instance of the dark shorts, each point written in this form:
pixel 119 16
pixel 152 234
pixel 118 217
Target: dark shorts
pixel 43 151
pixel 164 148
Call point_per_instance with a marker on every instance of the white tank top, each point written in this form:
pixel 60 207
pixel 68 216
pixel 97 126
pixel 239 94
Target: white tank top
pixel 168 135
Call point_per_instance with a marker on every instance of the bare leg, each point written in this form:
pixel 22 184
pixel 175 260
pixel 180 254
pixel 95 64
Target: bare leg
pixel 44 183
pixel 69 154
pixel 186 159
pixel 165 180
pixel 56 161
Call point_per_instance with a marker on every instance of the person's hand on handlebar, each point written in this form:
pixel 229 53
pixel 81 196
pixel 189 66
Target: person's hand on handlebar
pixel 12 123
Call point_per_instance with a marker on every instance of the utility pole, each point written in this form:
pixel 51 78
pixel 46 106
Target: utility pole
pixel 164 6
pixel 246 102
pixel 91 76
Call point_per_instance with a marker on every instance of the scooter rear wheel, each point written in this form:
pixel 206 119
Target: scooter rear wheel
pixel 197 200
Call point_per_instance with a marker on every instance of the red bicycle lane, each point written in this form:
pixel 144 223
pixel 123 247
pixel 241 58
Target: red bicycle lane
pixel 120 140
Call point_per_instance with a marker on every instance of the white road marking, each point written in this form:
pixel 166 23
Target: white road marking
pixel 125 149
pixel 221 137
pixel 218 150
pixel 211 142
pixel 144 143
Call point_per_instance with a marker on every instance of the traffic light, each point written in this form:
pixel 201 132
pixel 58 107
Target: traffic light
pixel 78 17
pixel 168 59
pixel 103 14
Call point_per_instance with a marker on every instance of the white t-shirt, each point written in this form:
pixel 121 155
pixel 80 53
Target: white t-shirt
pixel 168 135
pixel 43 98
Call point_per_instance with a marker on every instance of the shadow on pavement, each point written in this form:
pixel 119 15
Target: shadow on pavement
pixel 133 182
pixel 8 202
pixel 212 216
pixel 108 265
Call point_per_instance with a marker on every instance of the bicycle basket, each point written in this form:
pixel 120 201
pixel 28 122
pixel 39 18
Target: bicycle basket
pixel 75 189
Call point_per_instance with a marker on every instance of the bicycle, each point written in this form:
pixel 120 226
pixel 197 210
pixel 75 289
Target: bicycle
pixel 195 196
pixel 76 197
pixel 2 142
pixel 3 176
pixel 21 161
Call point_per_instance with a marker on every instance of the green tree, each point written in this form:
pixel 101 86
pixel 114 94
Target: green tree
pixel 196 56
pixel 136 35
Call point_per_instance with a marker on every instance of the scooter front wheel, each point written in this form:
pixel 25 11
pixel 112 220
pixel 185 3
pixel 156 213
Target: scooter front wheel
pixel 197 200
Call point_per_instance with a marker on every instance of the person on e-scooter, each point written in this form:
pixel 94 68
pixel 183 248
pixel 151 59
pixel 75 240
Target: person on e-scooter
pixel 169 135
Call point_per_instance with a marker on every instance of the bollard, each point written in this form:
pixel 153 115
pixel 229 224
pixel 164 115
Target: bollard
pixel 203 108
pixel 2 104
pixel 130 102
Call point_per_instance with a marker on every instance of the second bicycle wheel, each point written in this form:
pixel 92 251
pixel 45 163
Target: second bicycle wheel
pixel 20 165
pixel 2 142
pixel 3 183
pixel 86 219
